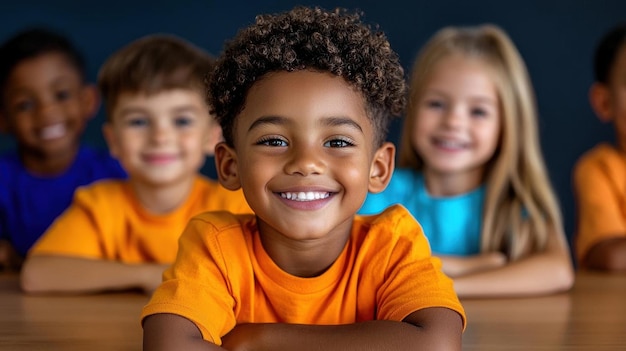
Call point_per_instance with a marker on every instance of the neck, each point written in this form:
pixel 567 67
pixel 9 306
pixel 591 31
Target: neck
pixel 48 164
pixel 304 258
pixel 451 184
pixel 160 199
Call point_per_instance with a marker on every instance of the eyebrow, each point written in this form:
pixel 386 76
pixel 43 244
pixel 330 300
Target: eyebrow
pixel 139 109
pixel 479 98
pixel 274 120
pixel 328 121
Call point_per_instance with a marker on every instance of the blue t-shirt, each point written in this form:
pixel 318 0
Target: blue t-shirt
pixel 29 204
pixel 451 224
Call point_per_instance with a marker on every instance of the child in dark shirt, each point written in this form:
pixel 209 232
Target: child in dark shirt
pixel 45 104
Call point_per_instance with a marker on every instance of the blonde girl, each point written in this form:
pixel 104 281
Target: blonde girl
pixel 471 169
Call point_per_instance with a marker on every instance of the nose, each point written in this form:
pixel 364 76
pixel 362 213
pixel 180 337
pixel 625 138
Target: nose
pixel 305 161
pixel 453 118
pixel 160 133
pixel 47 109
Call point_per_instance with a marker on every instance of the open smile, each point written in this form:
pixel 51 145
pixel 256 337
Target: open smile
pixel 305 196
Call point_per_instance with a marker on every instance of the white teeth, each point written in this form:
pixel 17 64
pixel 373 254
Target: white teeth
pixel 305 196
pixel 54 131
pixel 450 144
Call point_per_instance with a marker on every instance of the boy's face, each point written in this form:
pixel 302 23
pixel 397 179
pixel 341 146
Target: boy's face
pixel 161 139
pixel 609 100
pixel 46 106
pixel 304 155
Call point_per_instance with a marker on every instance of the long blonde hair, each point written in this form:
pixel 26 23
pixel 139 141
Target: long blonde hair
pixel 520 205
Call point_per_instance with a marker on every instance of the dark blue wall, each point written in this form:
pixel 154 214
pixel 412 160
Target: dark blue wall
pixel 555 37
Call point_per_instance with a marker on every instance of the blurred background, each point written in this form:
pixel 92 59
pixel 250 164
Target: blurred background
pixel 555 37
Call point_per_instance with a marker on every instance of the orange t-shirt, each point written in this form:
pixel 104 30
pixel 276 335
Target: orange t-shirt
pixel 106 221
pixel 600 190
pixel 222 276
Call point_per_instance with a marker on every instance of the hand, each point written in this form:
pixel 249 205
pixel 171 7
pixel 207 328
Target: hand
pixel 10 261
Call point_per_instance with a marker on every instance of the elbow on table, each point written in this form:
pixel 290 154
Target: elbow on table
pixel 32 278
pixel 563 279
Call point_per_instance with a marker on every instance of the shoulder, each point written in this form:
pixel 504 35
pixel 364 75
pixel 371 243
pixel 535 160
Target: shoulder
pixel 392 233
pixel 602 159
pixel 220 229
pixel 601 153
pixel 221 221
pixel 105 190
pixel 395 221
pixel 213 196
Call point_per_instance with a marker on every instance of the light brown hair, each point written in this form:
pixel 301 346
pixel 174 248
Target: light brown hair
pixel 152 64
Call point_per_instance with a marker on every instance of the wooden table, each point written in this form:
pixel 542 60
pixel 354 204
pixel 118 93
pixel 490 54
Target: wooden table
pixel 88 322
pixel 590 317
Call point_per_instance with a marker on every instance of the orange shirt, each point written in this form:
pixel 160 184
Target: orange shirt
pixel 222 276
pixel 106 221
pixel 600 190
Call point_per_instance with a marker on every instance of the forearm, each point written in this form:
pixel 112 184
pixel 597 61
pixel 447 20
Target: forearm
pixel 62 274
pixel 536 275
pixel 372 335
pixel 457 266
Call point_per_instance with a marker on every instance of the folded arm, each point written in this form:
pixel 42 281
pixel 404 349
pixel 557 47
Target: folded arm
pixel 456 266
pixel 545 272
pixel 434 328
pixel 64 274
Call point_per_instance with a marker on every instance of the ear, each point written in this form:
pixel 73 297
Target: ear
pixel 111 139
pixel 382 167
pixel 90 100
pixel 226 166
pixel 600 99
pixel 214 136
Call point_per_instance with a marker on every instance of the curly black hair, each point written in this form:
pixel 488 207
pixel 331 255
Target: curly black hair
pixel 336 42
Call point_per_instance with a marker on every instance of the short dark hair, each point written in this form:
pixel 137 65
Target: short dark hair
pixel 336 42
pixel 152 64
pixel 33 42
pixel 606 52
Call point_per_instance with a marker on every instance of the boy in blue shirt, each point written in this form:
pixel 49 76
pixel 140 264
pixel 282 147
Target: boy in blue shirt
pixel 45 104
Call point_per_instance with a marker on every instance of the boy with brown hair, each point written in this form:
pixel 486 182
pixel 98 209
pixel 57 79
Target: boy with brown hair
pixel 305 99
pixel 122 234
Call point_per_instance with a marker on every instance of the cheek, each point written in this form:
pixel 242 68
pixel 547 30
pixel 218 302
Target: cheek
pixel 352 170
pixel 491 136
pixel 21 122
pixel 127 143
pixel 193 143
pixel 420 132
